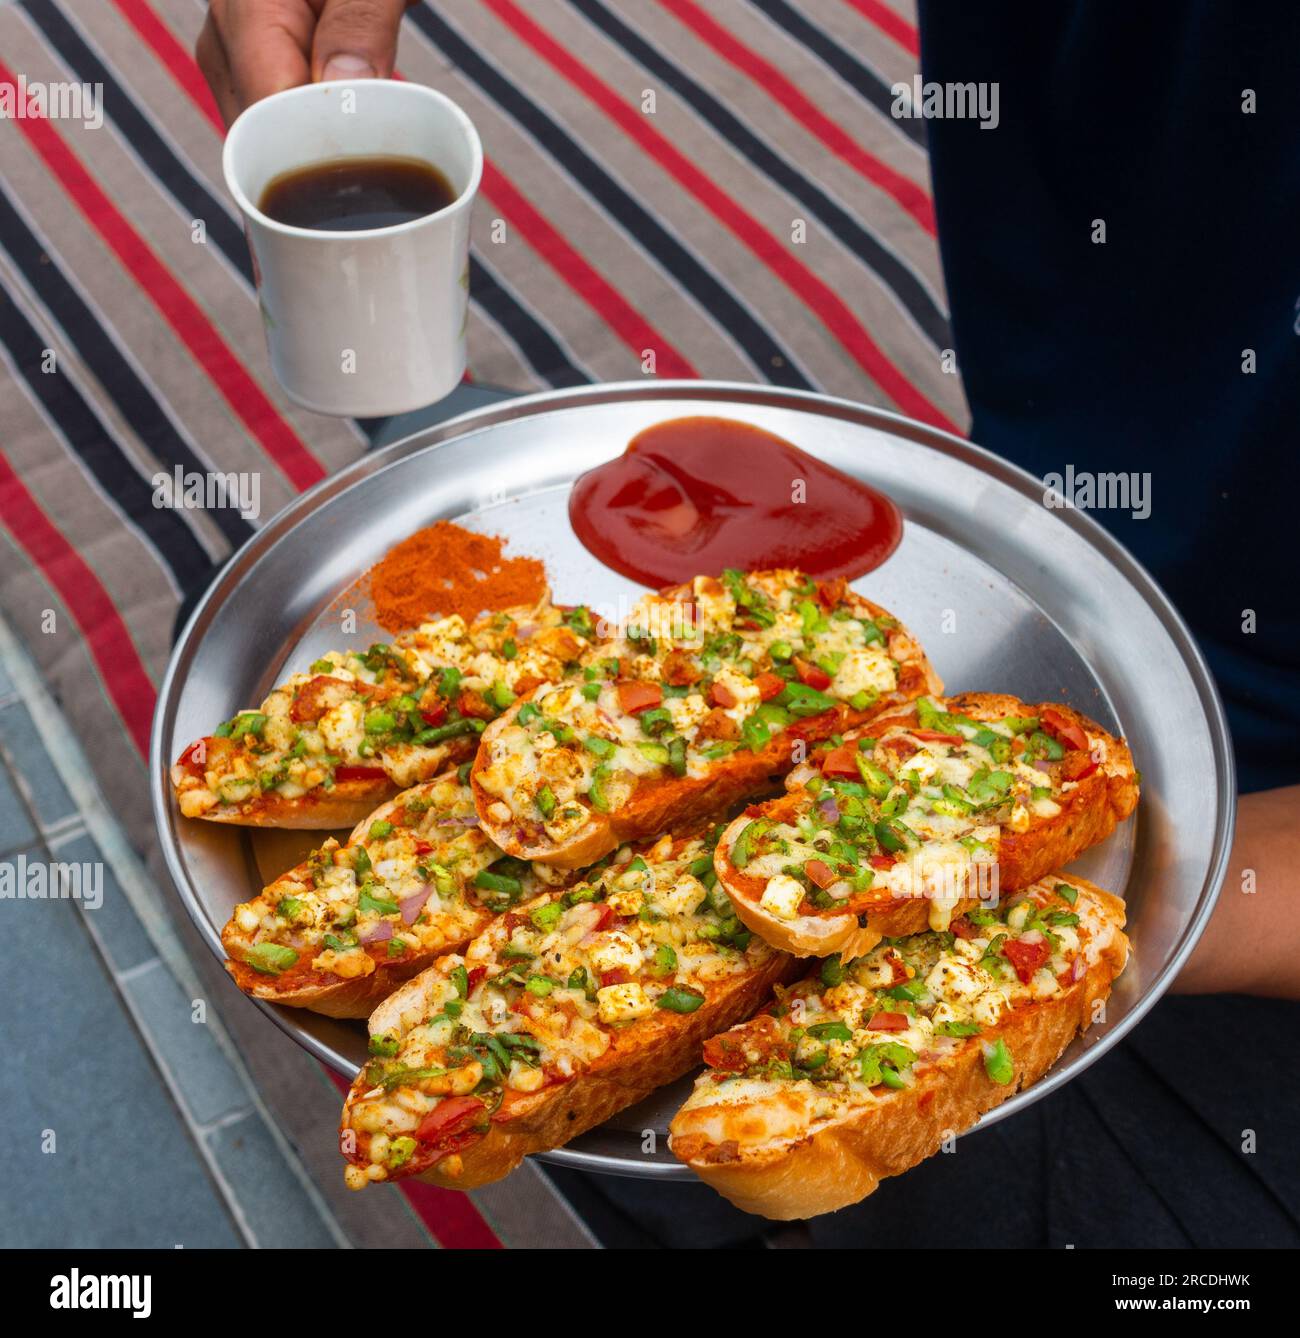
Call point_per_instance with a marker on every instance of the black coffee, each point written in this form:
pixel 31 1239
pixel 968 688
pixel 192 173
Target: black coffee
pixel 349 194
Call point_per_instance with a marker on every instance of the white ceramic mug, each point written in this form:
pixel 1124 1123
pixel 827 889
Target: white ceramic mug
pixel 362 323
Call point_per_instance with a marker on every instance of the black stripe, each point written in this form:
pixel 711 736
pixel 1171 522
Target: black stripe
pixel 534 340
pixel 77 422
pixel 543 352
pixel 863 80
pixel 193 197
pixel 768 357
pixel 81 329
pixel 901 280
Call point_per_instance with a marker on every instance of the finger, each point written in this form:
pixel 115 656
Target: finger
pixel 356 39
pixel 211 56
pixel 267 44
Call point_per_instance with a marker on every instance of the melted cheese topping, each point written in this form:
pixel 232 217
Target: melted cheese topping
pixel 723 664
pixel 929 812
pixel 848 1034
pixel 408 886
pixel 369 709
pixel 541 994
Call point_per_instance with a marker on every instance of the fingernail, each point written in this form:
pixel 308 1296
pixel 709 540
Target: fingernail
pixel 347 67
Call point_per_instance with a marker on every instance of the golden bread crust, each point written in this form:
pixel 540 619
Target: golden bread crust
pixel 668 803
pixel 643 1057
pixel 841 1161
pixel 1089 814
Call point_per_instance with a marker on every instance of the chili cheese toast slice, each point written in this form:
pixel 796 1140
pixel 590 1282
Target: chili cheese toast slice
pixel 861 1070
pixel 563 1012
pixel 698 702
pixel 925 812
pixel 329 745
pixel 342 930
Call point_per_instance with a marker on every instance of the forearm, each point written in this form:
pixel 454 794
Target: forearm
pixel 1252 943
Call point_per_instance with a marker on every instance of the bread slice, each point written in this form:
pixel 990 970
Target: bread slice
pixel 425 842
pixel 715 669
pixel 562 1013
pixel 787 1146
pixel 330 745
pixel 988 840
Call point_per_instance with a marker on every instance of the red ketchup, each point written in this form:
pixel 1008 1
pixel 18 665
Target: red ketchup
pixel 694 495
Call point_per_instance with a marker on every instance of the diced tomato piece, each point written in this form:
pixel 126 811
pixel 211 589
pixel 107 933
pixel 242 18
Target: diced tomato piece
pixel 830 593
pixel 637 697
pixel 474 977
pixel 471 703
pixel 680 669
pixel 897 743
pixel 760 1036
pixel 724 1054
pixel 448 1118
pixel 606 915
pixel 435 716
pixel 1025 957
pixel 717 724
pixel 841 761
pixel 889 1022
pixel 898 968
pixel 359 773
pixel 820 872
pixel 1078 766
pixel 1061 727
pixel 769 686
pixel 935 736
pixel 618 976
pixel 812 674
pixel 963 928
pixel 721 695
pixel 882 861
pixel 321 694
pixel 195 758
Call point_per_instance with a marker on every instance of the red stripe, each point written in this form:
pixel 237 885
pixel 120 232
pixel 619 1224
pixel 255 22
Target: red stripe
pixel 899 187
pixel 92 609
pixel 819 297
pixel 891 24
pixel 450 1215
pixel 546 240
pixel 245 397
pixel 175 58
pixel 600 295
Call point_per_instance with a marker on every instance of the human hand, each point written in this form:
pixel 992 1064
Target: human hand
pixel 1252 943
pixel 249 49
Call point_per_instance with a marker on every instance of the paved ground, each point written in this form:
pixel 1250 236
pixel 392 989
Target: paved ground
pixel 128 1119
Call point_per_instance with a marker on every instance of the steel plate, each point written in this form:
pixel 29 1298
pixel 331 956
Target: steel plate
pixel 1005 594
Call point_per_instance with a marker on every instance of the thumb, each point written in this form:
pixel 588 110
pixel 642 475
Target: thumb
pixel 356 39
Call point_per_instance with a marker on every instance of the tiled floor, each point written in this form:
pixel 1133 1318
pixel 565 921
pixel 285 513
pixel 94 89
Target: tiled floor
pixel 129 1122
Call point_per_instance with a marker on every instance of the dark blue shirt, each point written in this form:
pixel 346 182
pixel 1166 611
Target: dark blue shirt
pixel 1129 354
